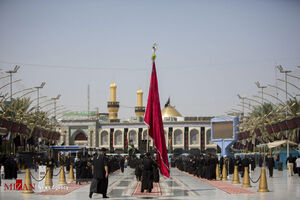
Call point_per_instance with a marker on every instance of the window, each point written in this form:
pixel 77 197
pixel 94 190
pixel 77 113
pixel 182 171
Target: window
pixel 80 136
pixel 132 139
pixel 178 137
pixel 118 138
pixel 194 136
pixel 104 138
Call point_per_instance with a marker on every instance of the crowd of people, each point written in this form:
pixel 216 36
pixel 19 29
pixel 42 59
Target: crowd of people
pixel 293 165
pixel 96 167
pixel 146 171
pixel 204 166
pixel 10 166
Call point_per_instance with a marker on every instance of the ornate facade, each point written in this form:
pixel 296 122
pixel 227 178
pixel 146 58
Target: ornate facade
pixel 184 135
pixel 108 131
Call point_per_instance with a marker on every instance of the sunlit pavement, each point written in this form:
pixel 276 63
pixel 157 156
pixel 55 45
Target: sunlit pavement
pixel 179 186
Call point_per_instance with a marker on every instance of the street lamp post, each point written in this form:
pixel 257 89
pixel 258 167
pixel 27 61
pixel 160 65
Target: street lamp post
pixel 10 72
pixel 280 68
pixel 262 102
pixel 54 101
pixel 243 99
pixel 262 95
pixel 38 95
pixel 265 93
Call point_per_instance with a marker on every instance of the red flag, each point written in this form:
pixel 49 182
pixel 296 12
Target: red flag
pixel 156 129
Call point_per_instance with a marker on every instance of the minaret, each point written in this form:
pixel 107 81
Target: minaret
pixel 139 109
pixel 113 105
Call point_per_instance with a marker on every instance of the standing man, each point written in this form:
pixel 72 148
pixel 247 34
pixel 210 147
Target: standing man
pixel 270 163
pixel 121 163
pixel 245 163
pixel 147 174
pixel 138 168
pixel 298 165
pixel 68 162
pixel 290 163
pixel 100 174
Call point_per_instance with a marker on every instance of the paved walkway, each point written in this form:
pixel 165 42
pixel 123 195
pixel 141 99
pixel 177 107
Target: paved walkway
pixel 179 186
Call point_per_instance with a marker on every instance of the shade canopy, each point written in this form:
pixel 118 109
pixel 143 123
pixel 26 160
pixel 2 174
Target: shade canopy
pixel 281 142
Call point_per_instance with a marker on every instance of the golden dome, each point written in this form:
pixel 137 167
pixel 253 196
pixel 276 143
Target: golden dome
pixel 139 91
pixel 113 85
pixel 170 111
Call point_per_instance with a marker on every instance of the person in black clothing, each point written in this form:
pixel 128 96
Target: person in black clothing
pixel 212 165
pixel 207 168
pixel 78 171
pixel 83 170
pixel 147 173
pixel 89 174
pixel 10 168
pixel 221 162
pixel 100 174
pixel 138 169
pixel 294 165
pixel 155 173
pixel 260 161
pixel 290 164
pixel 238 163
pixel 245 163
pixel 270 163
pixel 252 163
pixel 68 163
pixel 14 168
pixel 231 165
pixel 122 161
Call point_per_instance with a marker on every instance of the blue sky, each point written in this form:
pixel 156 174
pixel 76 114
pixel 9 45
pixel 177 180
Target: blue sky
pixel 208 51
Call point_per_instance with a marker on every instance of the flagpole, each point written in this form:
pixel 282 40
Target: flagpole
pixel 154 48
pixel 154 122
pixel 148 139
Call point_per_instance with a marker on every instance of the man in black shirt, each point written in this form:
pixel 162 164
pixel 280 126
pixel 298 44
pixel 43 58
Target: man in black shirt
pixel 290 164
pixel 100 174
pixel 147 173
pixel 270 163
pixel 122 161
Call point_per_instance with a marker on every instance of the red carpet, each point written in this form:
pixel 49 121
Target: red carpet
pixel 223 185
pixel 156 191
pixel 66 189
pixel 227 187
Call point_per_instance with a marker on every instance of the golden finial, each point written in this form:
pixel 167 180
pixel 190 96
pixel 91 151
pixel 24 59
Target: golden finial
pixel 154 48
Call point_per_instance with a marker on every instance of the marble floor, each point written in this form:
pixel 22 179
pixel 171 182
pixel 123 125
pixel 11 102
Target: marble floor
pixel 178 186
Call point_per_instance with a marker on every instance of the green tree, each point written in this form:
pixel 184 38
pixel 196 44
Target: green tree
pixel 294 107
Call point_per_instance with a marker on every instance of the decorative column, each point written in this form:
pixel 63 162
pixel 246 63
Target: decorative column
pixel 139 109
pixel 185 138
pixel 111 136
pixel 125 140
pixel 170 138
pixel 202 140
pixel 113 105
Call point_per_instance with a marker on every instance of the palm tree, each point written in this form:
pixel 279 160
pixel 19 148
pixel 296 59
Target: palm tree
pixel 17 107
pixel 266 108
pixel 294 107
